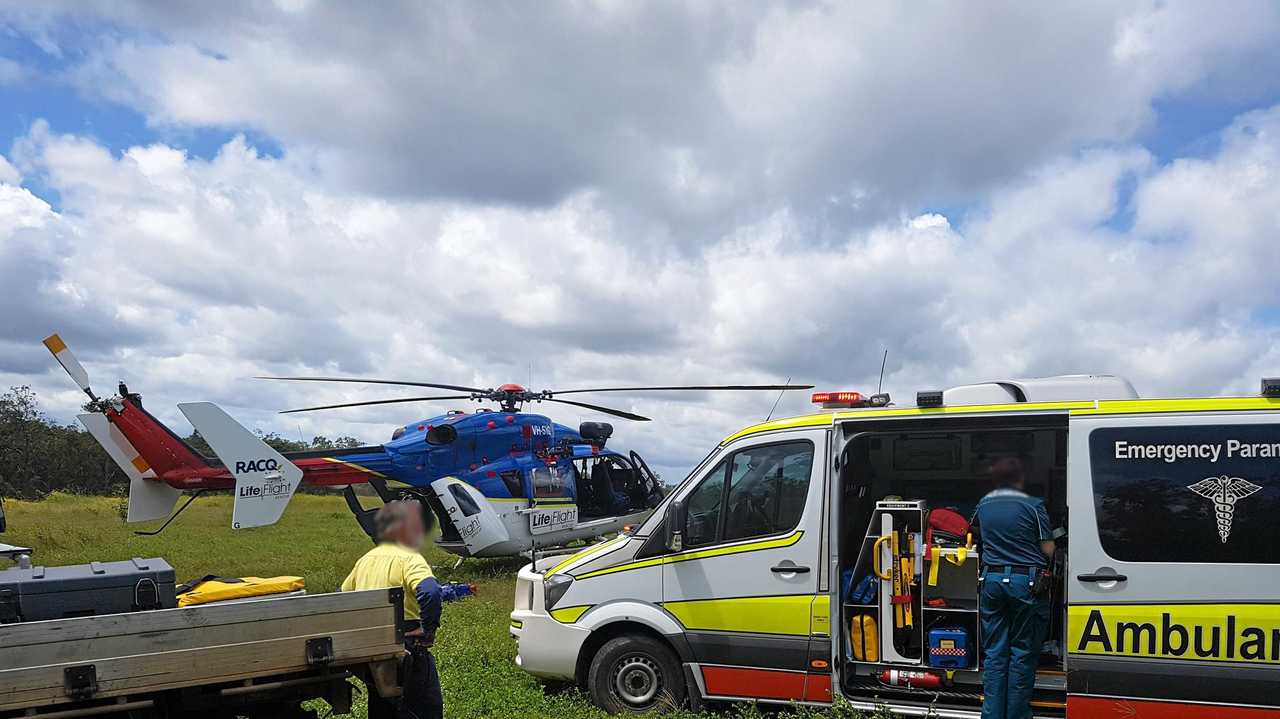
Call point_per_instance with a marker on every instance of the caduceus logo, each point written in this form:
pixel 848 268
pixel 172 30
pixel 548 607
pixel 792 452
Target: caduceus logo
pixel 1224 492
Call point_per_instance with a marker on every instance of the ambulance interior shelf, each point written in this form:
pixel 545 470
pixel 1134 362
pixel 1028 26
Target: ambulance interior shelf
pixel 907 603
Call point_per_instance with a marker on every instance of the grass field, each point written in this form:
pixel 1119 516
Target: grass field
pixel 319 540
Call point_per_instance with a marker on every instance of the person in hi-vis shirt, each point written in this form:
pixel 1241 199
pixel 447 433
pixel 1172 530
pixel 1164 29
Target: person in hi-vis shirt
pixel 396 562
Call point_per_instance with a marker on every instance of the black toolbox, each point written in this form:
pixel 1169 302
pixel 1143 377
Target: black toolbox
pixel 82 590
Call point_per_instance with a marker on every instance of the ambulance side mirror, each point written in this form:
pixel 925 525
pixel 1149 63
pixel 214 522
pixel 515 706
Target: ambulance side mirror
pixel 674 521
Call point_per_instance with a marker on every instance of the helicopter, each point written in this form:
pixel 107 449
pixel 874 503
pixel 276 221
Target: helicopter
pixel 498 480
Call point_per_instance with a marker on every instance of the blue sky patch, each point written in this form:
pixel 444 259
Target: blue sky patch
pixel 44 93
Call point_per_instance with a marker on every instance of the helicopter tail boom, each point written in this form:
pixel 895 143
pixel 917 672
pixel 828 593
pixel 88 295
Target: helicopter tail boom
pixel 160 465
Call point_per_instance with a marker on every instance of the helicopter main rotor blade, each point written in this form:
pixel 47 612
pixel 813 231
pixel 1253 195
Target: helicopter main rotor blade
pixel 686 388
pixel 598 408
pixel 376 401
pixel 454 387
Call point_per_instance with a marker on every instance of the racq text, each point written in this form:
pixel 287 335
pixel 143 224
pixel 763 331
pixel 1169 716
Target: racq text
pixel 1211 451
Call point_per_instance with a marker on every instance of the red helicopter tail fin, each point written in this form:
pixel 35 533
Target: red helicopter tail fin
pixel 149 453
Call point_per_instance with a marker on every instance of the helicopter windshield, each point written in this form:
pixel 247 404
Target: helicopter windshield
pixel 612 485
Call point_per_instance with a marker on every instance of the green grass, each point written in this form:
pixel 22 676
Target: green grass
pixel 319 540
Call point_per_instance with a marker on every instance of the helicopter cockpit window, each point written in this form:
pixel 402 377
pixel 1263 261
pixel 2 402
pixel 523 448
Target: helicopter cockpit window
pixel 547 481
pixel 511 480
pixel 611 484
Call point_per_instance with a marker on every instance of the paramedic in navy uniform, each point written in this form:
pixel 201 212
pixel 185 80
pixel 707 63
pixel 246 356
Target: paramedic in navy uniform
pixel 1017 543
pixel 396 562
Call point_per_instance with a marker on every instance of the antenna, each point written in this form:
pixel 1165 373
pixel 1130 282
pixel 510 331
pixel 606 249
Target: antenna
pixel 883 359
pixel 776 401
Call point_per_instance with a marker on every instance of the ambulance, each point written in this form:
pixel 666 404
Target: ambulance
pixel 825 559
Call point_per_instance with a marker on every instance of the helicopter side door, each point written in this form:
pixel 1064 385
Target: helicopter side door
pixel 554 506
pixel 472 515
pixel 610 485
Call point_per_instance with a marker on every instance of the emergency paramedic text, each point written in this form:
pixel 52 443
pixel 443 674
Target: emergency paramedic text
pixel 1234 449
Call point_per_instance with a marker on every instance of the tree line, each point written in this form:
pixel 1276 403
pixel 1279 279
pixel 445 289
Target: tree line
pixel 38 455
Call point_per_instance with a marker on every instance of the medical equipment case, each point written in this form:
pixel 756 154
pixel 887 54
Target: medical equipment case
pixel 949 648
pixel 81 590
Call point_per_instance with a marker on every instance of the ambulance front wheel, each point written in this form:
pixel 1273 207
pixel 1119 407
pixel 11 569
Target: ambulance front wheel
pixel 636 674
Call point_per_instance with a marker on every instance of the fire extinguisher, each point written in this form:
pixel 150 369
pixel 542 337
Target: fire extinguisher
pixel 914 680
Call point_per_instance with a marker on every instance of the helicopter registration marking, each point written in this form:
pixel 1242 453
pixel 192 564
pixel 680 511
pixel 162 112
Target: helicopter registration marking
pixel 552 519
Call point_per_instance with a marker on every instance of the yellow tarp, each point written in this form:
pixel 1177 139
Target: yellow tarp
pixel 219 589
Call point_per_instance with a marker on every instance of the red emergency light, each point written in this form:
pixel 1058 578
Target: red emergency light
pixel 835 400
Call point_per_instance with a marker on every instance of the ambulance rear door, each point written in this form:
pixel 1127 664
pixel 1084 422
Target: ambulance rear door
pixel 1173 582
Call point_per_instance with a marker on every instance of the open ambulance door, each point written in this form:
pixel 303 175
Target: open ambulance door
pixel 472 515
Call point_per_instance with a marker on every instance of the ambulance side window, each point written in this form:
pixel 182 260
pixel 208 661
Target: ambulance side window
pixel 702 522
pixel 768 486
pixel 1188 494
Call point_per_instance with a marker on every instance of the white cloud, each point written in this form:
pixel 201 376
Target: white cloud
pixel 688 119
pixel 186 277
pixel 8 173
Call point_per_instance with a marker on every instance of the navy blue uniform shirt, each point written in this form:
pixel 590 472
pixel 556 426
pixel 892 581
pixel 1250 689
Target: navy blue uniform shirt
pixel 1012 525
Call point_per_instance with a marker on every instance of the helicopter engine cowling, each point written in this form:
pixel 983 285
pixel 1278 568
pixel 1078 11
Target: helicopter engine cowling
pixel 596 433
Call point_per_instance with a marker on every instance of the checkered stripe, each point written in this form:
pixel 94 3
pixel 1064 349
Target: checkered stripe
pixel 940 652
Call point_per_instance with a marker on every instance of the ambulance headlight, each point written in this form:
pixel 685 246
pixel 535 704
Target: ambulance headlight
pixel 554 587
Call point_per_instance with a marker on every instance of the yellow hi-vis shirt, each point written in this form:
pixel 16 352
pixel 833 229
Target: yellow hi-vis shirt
pixel 390 565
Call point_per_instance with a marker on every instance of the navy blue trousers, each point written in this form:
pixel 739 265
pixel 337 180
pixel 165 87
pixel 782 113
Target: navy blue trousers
pixel 1014 622
pixel 421 683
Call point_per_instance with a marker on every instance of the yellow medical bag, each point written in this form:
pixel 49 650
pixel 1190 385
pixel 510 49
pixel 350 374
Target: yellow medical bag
pixel 218 589
pixel 864 638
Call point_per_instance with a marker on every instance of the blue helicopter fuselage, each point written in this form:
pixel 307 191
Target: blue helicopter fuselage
pixel 493 451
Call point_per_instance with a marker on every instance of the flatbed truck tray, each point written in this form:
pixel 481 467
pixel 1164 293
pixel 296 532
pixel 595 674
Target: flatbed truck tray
pixel 214 655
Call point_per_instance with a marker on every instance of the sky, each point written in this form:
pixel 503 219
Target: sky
pixel 613 193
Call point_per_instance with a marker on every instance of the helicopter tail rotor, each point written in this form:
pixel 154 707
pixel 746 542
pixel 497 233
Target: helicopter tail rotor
pixel 69 363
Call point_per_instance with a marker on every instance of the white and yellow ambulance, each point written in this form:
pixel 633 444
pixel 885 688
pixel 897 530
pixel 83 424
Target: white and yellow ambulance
pixel 796 562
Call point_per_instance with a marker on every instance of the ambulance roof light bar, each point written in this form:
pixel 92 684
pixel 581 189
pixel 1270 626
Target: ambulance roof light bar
pixel 838 400
pixel 849 400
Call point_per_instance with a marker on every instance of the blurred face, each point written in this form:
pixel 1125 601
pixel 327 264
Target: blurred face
pixel 412 533
pixel 1007 472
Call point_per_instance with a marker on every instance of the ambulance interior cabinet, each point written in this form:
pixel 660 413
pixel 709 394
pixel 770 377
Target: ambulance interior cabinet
pixel 897 626
pixel 904 634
